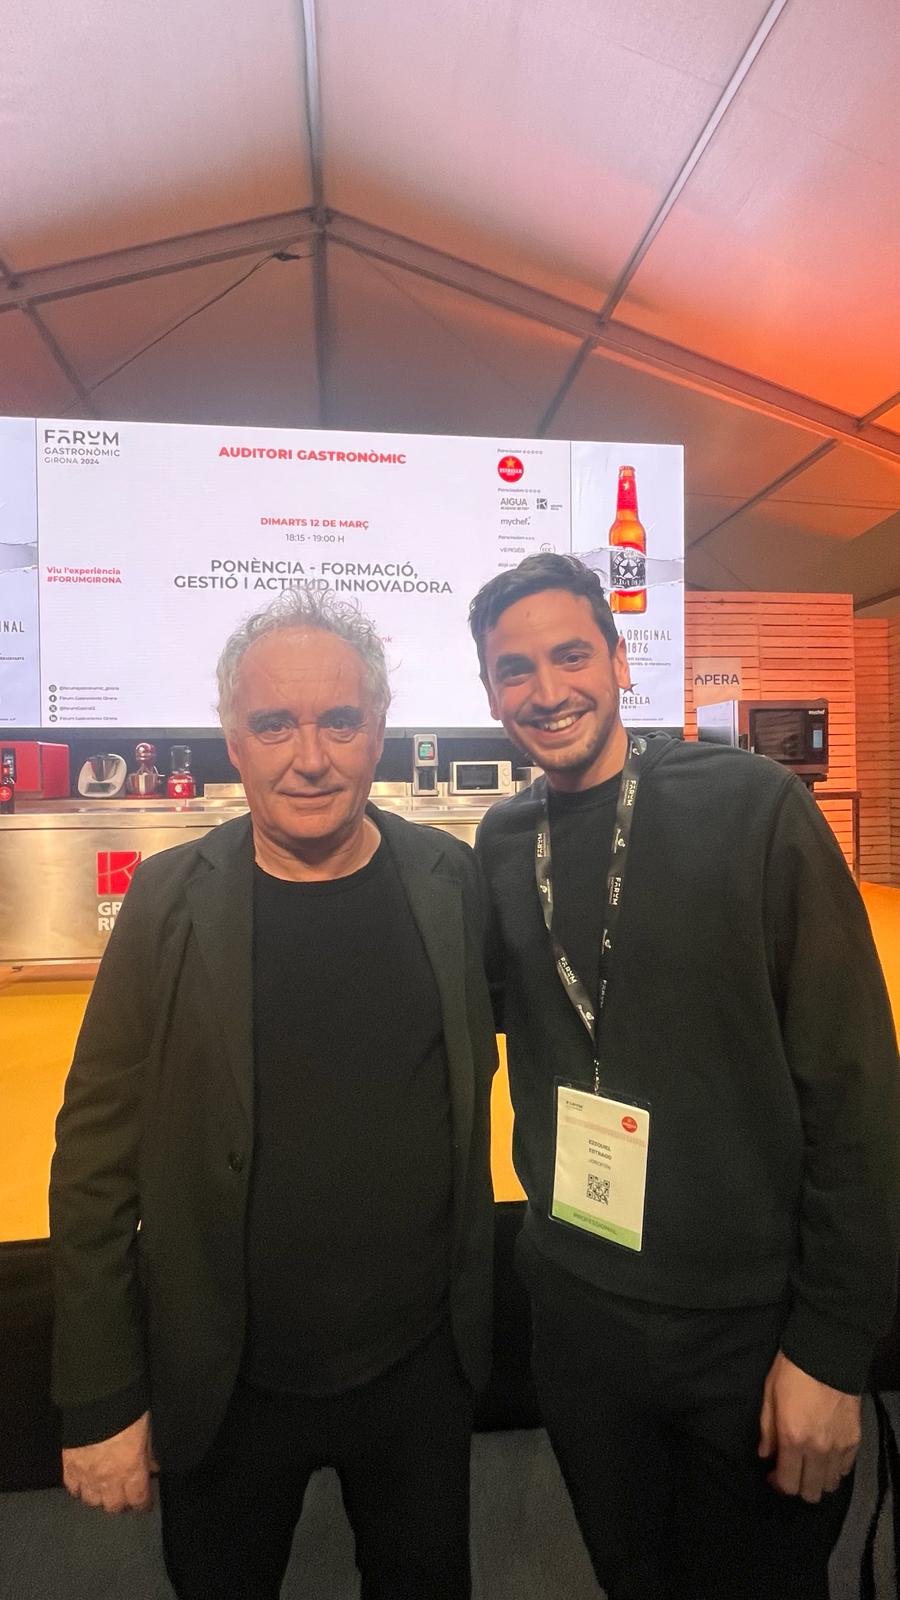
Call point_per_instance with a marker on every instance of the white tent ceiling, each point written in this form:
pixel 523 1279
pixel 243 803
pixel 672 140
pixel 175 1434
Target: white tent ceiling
pixel 640 219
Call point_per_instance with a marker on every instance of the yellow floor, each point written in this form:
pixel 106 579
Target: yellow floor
pixel 883 906
pixel 38 1026
pixel 39 1023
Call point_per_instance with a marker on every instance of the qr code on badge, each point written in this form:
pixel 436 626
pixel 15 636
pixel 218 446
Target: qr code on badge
pixel 598 1189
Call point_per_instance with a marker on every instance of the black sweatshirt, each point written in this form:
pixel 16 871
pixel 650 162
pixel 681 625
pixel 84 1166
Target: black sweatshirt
pixel 746 1005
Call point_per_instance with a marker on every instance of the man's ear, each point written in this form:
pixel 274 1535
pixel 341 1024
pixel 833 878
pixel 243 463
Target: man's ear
pixel 232 752
pixel 621 665
pixel 491 699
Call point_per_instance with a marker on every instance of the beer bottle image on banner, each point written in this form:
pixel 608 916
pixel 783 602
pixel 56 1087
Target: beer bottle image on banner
pixel 628 550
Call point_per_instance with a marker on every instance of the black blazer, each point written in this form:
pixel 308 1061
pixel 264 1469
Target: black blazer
pixel 156 1130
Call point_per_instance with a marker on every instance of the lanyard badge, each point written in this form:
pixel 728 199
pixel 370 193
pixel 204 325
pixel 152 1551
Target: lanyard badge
pixel 615 880
pixel 601 1146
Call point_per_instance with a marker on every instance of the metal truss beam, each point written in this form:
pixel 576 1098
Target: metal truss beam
pixel 396 250
pixel 56 353
pixel 313 103
pixel 791 473
pixel 764 493
pixel 616 341
pixel 669 201
pixel 322 328
pixel 141 261
pixel 889 404
pixel 698 150
pixel 876 600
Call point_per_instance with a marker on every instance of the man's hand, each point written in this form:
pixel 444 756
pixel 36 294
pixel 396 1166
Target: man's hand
pixel 812 1430
pixel 115 1473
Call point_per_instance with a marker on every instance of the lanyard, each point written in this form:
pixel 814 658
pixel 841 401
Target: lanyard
pixel 615 878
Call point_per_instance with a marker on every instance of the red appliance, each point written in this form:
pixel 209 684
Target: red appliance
pixel 41 770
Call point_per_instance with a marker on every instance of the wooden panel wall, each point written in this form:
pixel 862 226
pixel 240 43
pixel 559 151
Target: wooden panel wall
pixel 791 646
pixel 873 747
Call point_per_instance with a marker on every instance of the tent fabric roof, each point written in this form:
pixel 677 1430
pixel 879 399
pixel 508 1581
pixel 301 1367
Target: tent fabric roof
pixel 591 218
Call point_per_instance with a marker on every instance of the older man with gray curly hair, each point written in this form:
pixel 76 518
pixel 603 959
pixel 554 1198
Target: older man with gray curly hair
pixel 270 1200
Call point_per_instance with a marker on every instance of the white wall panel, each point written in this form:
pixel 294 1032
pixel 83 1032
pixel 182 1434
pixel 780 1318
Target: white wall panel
pixel 767 551
pixel 30 380
pixel 705 511
pixel 537 139
pixel 781 256
pixel 870 565
pixel 408 354
pixel 129 122
pixel 729 450
pixel 842 495
pixel 249 358
pixel 98 331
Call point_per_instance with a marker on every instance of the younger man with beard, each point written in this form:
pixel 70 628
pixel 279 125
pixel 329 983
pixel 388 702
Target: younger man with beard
pixel 706 1133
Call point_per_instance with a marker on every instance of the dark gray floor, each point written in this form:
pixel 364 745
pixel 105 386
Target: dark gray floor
pixel 525 1543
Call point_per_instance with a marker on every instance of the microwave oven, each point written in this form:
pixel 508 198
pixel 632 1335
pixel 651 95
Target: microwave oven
pixel 792 732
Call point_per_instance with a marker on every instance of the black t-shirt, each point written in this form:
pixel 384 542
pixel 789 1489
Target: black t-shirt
pixel 581 835
pixel 349 1224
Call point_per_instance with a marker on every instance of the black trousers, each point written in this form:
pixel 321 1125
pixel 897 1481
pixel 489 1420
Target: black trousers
pixel 401 1448
pixel 654 1417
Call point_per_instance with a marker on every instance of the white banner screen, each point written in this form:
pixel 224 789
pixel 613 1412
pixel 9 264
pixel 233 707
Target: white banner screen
pixel 128 552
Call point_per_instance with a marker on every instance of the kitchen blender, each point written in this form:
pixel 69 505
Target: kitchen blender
pixel 146 780
pixel 102 777
pixel 181 785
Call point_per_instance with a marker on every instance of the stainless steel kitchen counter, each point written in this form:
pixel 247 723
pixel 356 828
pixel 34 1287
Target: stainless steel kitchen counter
pixel 65 865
